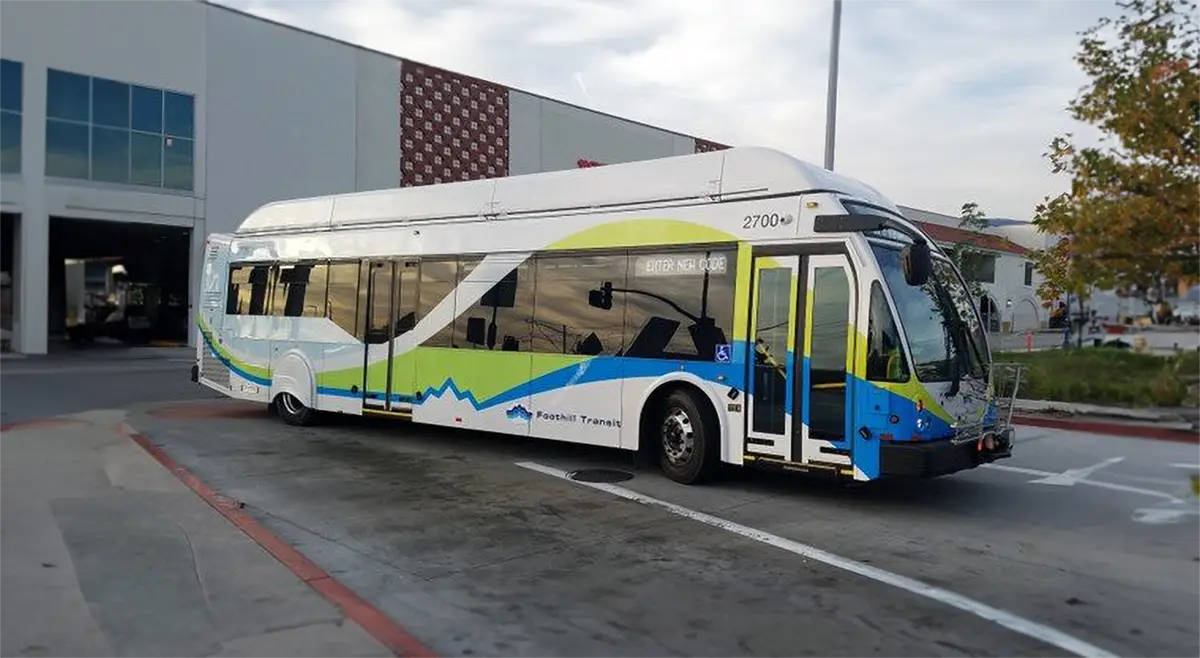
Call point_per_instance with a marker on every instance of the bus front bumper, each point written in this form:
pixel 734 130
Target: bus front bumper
pixel 928 459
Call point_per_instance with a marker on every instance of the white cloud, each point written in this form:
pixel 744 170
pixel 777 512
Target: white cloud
pixel 940 102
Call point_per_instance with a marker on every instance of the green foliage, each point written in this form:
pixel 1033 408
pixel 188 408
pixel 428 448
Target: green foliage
pixel 1105 376
pixel 966 255
pixel 1132 214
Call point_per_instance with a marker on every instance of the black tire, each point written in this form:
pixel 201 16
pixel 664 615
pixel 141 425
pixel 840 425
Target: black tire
pixel 686 437
pixel 292 411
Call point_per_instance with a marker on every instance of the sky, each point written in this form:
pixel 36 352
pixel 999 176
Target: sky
pixel 940 102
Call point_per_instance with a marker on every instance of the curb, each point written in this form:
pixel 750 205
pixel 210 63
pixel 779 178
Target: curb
pixel 373 620
pixel 1114 429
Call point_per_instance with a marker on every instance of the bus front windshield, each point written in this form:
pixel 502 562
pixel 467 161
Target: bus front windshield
pixel 944 333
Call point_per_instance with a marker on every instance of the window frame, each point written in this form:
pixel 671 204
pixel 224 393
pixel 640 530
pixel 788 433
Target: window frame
pixel 13 115
pixel 176 149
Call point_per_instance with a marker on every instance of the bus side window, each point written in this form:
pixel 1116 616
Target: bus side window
pixel 885 357
pixel 680 303
pixel 260 285
pixel 300 291
pixel 565 321
pixel 239 278
pixel 438 278
pixel 342 295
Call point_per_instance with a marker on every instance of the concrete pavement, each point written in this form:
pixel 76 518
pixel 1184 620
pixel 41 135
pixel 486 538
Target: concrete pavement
pixel 104 552
pixel 446 532
pixel 1093 537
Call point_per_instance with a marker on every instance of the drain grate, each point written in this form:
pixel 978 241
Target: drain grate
pixel 600 475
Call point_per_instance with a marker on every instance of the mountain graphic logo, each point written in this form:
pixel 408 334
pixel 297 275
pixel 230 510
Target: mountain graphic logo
pixel 519 414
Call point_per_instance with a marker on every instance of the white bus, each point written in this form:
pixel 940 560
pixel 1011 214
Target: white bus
pixel 739 306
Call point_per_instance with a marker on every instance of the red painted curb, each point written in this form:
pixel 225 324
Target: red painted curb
pixel 393 636
pixel 1115 429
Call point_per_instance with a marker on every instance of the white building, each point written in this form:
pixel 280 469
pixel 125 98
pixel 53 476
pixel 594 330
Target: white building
pixel 1006 273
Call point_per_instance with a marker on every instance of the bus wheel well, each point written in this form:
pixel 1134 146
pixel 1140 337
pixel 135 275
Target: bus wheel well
pixel 649 449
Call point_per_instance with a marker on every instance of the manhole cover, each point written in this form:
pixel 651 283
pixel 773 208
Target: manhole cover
pixel 600 475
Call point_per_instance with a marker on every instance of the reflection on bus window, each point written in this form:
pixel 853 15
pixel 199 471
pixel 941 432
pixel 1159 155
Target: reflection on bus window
pixel 679 304
pixel 500 320
pixel 885 356
pixel 438 278
pixel 248 288
pixel 343 295
pixel 564 322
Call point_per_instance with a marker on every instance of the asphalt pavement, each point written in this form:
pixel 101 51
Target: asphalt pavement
pixel 1080 543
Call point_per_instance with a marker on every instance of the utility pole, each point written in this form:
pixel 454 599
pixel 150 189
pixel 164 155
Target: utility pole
pixel 835 39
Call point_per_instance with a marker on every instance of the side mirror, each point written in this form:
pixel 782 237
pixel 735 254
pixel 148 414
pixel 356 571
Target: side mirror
pixel 917 263
pixel 477 331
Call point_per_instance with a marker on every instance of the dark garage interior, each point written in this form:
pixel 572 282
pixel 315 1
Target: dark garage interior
pixel 140 270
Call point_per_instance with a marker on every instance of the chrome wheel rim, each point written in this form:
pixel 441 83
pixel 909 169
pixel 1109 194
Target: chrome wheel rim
pixel 678 437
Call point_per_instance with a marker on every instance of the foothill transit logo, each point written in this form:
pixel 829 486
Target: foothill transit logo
pixel 519 414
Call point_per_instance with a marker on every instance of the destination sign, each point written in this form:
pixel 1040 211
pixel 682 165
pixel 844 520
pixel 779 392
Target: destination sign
pixel 680 265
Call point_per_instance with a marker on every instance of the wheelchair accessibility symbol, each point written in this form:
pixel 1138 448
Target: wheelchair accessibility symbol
pixel 724 353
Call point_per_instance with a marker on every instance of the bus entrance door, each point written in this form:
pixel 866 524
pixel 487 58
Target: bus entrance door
pixel 391 312
pixel 825 434
pixel 771 391
pixel 377 364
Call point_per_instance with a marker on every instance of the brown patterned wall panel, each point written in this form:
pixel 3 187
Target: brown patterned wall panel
pixel 452 127
pixel 705 146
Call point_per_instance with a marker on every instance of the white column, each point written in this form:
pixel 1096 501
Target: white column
pixel 31 285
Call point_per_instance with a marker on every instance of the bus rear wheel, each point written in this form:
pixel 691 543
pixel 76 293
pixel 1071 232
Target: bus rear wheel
pixel 293 411
pixel 686 431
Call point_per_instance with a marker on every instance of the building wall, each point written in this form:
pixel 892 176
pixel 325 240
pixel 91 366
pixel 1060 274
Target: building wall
pixel 452 127
pixel 548 135
pixel 292 115
pixel 161 46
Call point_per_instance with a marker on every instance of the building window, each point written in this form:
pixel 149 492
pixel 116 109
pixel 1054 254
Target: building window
pixel 979 267
pixel 1029 274
pixel 12 80
pixel 116 132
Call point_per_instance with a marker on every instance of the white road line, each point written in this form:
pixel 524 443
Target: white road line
pixel 1068 478
pixel 1102 485
pixel 1006 619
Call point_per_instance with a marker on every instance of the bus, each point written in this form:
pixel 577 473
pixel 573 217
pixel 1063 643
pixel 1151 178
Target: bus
pixel 735 307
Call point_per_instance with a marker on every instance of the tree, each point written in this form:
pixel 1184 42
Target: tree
pixel 1132 213
pixel 967 256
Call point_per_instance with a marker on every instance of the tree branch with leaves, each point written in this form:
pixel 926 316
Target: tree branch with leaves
pixel 967 255
pixel 1132 214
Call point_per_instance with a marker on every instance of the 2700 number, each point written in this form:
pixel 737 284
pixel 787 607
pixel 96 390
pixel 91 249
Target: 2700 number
pixel 762 221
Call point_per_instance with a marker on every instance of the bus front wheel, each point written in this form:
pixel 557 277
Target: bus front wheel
pixel 686 431
pixel 293 411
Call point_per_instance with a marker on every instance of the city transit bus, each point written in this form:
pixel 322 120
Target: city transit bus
pixel 737 307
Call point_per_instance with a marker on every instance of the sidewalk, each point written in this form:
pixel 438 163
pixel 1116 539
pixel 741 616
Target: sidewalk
pixel 106 553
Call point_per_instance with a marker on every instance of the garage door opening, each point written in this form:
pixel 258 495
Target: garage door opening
pixel 8 245
pixel 118 281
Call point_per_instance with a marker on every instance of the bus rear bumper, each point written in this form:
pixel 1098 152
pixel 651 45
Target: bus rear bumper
pixel 935 458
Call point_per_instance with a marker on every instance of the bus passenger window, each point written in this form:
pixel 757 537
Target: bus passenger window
pixel 680 304
pixel 300 291
pixel 438 278
pixel 500 319
pixel 342 297
pixel 565 322
pixel 248 287
pixel 239 278
pixel 885 356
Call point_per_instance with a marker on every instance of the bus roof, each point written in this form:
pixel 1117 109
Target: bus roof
pixel 704 177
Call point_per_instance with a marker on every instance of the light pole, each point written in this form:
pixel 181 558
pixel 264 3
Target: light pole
pixel 831 94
